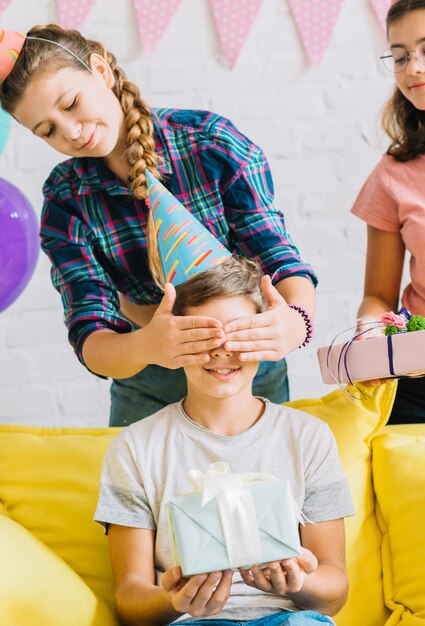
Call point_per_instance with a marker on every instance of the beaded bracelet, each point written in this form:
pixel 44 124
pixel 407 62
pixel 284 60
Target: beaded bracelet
pixel 308 323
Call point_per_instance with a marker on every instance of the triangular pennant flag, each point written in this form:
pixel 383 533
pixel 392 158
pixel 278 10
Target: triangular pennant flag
pixel 234 21
pixel 381 9
pixel 4 4
pixel 72 13
pixel 186 247
pixel 152 20
pixel 315 20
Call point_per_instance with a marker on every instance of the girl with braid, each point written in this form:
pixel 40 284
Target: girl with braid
pixel 98 232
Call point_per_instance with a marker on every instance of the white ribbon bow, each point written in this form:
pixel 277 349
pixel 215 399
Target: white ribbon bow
pixel 236 509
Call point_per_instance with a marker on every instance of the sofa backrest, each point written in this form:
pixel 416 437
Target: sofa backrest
pixel 49 483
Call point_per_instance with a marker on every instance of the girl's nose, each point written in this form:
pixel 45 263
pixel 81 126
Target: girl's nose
pixel 414 65
pixel 72 130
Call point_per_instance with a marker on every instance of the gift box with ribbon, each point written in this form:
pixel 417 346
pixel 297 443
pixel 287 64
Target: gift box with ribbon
pixel 399 353
pixel 233 521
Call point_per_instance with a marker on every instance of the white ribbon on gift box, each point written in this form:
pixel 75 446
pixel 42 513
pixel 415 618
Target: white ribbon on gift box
pixel 236 509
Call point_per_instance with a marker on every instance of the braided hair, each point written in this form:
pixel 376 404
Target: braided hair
pixel 38 56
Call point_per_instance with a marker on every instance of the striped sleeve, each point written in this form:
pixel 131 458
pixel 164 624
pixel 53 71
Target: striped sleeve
pixel 257 225
pixel 89 297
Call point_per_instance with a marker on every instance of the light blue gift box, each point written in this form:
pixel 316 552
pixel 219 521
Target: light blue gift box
pixel 197 536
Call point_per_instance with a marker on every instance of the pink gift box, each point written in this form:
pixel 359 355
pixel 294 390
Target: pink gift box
pixel 402 354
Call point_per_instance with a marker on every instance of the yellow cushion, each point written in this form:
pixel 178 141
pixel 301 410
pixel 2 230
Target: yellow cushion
pixel 406 429
pixel 36 586
pixel 399 477
pixel 354 423
pixel 49 480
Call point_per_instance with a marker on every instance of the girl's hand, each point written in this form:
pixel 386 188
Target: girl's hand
pixel 201 595
pixel 267 336
pixel 178 341
pixel 282 577
pixel 367 323
pixel 368 327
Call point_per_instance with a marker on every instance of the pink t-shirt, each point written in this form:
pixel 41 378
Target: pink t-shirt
pixel 393 199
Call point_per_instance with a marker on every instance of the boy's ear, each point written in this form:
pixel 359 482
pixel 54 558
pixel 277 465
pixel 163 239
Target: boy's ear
pixel 101 69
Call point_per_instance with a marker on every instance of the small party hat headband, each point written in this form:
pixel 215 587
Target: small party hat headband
pixel 11 43
pixel 186 247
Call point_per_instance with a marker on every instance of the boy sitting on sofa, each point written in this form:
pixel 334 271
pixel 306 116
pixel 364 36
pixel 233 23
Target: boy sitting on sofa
pixel 220 420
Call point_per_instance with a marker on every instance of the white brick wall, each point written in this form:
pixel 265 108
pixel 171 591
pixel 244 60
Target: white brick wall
pixel 318 126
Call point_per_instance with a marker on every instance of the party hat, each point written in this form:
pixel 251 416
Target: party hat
pixel 186 247
pixel 11 43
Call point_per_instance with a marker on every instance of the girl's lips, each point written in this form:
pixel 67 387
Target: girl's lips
pixel 91 142
pixel 417 86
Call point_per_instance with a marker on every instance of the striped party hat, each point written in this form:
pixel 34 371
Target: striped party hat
pixel 186 247
pixel 11 43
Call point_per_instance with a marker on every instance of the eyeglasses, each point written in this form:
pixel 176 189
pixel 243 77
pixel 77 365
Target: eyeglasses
pixel 396 59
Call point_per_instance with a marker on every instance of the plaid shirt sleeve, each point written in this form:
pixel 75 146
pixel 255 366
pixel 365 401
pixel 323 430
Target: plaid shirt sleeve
pixel 257 225
pixel 217 170
pixel 89 297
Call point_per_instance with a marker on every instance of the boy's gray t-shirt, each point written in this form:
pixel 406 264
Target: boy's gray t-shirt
pixel 148 462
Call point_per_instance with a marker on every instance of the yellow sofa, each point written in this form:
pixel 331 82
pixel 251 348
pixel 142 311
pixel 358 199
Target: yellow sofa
pixel 54 566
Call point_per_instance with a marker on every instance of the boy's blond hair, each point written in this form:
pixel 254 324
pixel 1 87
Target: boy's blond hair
pixel 236 276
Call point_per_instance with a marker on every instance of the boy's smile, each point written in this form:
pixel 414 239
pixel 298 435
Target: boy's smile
pixel 220 391
pixel 224 373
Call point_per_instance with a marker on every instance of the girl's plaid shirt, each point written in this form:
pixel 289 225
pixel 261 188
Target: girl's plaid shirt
pixel 94 230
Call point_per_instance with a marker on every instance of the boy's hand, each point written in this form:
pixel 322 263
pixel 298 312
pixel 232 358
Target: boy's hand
pixel 200 595
pixel 282 577
pixel 267 336
pixel 178 341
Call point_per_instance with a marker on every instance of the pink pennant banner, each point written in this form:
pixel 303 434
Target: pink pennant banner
pixel 381 9
pixel 315 20
pixel 72 13
pixel 234 21
pixel 4 4
pixel 153 19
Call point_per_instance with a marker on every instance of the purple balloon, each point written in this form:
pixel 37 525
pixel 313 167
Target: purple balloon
pixel 19 243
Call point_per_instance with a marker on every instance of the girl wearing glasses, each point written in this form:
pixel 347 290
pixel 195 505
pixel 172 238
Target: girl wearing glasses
pixel 392 201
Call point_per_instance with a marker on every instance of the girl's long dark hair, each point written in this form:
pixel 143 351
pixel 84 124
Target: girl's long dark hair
pixel 401 120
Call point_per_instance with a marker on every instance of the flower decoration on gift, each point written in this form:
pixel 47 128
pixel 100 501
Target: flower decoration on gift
pixel 402 322
pixel 389 352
